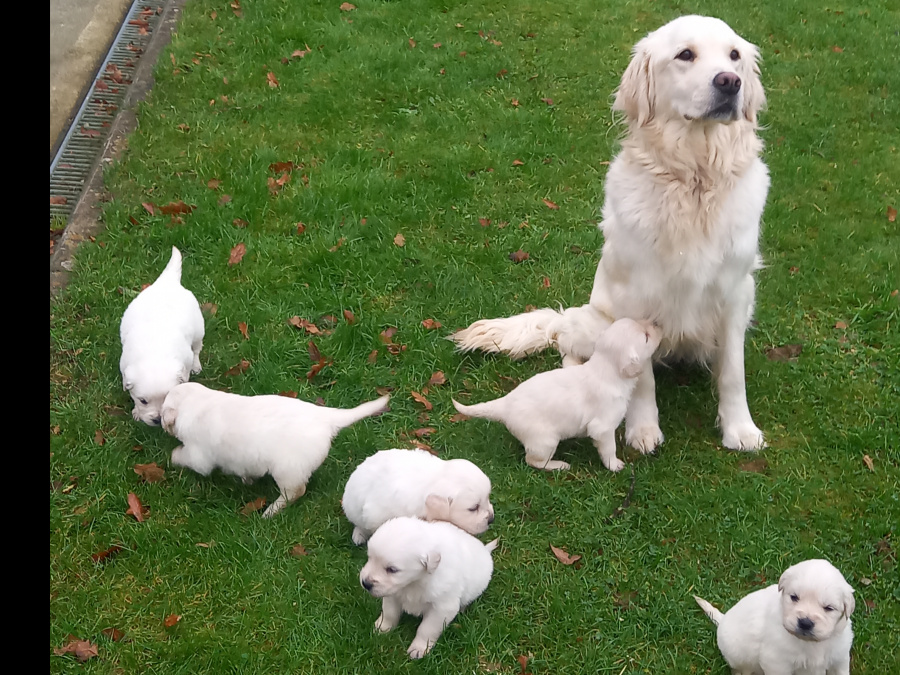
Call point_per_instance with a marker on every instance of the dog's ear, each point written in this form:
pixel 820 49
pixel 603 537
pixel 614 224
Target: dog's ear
pixel 630 364
pixel 431 561
pixel 754 95
pixel 168 417
pixel 635 96
pixel 127 379
pixel 785 579
pixel 437 507
pixel 849 601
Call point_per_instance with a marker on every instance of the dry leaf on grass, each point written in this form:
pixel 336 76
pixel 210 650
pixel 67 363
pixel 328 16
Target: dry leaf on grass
pixel 423 432
pixel 105 556
pixel 421 399
pixel 400 240
pixel 891 214
pixel 272 80
pixel 175 208
pixel 288 394
pixel 551 205
pixel 299 551
pixel 869 463
pixel 563 556
pixel 840 325
pixel 113 634
pixel 150 473
pixel 459 417
pixel 784 353
pixel 758 465
pixel 171 620
pixel 303 324
pixel 98 437
pixel 135 508
pixel 242 327
pixel 237 254
pixel 238 369
pixel 252 507
pixel 347 7
pixel 387 335
pixel 431 324
pixel 437 378
pixel 209 308
pixel 518 256
pixel 82 649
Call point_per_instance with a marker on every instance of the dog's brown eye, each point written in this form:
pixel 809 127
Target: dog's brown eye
pixel 391 570
pixel 829 609
pixel 474 508
pixel 795 598
pixel 686 55
pixel 735 55
pixel 143 402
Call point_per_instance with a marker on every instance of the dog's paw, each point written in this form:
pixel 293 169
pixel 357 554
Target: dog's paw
pixel 615 464
pixel 644 439
pixel 382 625
pixel 359 537
pixel 418 649
pixel 745 437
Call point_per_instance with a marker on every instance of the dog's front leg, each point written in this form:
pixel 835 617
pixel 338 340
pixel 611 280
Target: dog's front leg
pixel 738 430
pixel 288 495
pixel 434 619
pixel 391 610
pixel 642 430
pixel 605 442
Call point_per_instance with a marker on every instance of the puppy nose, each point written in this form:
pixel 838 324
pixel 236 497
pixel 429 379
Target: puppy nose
pixel 491 519
pixel 155 420
pixel 366 584
pixel 728 83
pixel 805 624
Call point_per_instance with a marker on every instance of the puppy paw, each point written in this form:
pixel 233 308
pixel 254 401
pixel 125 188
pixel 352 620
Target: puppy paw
pixel 382 625
pixel 359 537
pixel 418 649
pixel 551 465
pixel 744 437
pixel 614 464
pixel 645 439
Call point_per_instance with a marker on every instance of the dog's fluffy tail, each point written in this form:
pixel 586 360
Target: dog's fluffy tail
pixel 573 331
pixel 172 272
pixel 489 410
pixel 491 545
pixel 344 417
pixel 715 615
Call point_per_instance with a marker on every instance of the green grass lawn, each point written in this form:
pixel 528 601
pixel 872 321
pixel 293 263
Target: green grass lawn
pixel 407 118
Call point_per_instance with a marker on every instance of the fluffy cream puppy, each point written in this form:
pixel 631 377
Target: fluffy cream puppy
pixel 433 570
pixel 394 483
pixel 251 436
pixel 583 400
pixel 162 335
pixel 684 198
pixel 800 625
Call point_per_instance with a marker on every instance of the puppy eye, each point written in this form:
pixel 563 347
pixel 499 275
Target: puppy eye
pixel 474 508
pixel 795 597
pixel 686 55
pixel 735 55
pixel 143 401
pixel 829 608
pixel 646 338
pixel 391 570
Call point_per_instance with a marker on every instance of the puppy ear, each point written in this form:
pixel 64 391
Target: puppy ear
pixel 785 579
pixel 127 379
pixel 630 364
pixel 437 507
pixel 431 561
pixel 169 415
pixel 754 95
pixel 849 602
pixel 635 95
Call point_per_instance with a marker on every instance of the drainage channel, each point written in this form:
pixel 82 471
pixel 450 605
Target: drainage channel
pixel 85 140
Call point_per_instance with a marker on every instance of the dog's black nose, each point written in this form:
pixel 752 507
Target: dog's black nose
pixel 491 519
pixel 156 421
pixel 366 584
pixel 728 83
pixel 805 624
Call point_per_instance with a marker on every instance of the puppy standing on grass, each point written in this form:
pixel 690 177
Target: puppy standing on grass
pixel 162 335
pixel 582 400
pixel 251 436
pixel 432 570
pixel 394 483
pixel 800 625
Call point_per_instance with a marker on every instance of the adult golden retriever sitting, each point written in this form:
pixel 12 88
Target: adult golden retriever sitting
pixel 680 222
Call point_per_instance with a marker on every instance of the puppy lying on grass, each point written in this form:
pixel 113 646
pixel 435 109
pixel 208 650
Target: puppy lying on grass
pixel 582 400
pixel 162 335
pixel 250 436
pixel 432 570
pixel 800 625
pixel 394 483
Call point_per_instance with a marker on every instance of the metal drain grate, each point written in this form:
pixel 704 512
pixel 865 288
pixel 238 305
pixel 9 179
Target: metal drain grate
pixel 87 135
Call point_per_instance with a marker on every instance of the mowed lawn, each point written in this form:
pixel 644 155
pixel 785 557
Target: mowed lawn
pixel 379 165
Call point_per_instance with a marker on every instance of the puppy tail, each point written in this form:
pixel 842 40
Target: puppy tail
pixel 172 272
pixel 491 545
pixel 715 615
pixel 344 417
pixel 488 410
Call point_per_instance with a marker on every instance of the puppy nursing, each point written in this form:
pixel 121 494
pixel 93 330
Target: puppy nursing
pixel 251 436
pixel 162 334
pixel 582 400
pixel 800 625
pixel 394 483
pixel 432 570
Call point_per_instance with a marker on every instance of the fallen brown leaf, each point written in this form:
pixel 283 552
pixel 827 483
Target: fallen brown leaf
pixel 347 7
pixel 437 378
pixel 423 432
pixel 869 463
pixel 104 556
pixel 300 53
pixel 242 327
pixel 564 557
pixel 171 620
pixel 518 162
pixel 317 367
pixel 303 324
pixel 421 399
pixel 150 473
pixel 400 240
pixel 313 351
pixel 252 507
pixel 224 199
pixel 113 634
pixel 213 183
pixel 431 324
pixel 459 417
pixel 273 81
pixel 891 214
pixel 238 369
pixel 545 282
pixel 98 437
pixel 551 205
pixel 288 394
pixel 150 208
pixel 299 551
pixel 55 199
pixel 784 353
pixel 424 446
pixel 836 49
pixel 175 208
pixel 372 357
pixel 209 308
pixel 339 243
pixel 237 254
pixel 624 599
pixel 387 334
pixel 518 256
pixel 484 222
pixel 301 228
pixel 523 664
pixel 82 649
pixel 135 508
pixel 548 101
pixel 840 325
pixel 349 316
pixel 754 465
pixel 412 43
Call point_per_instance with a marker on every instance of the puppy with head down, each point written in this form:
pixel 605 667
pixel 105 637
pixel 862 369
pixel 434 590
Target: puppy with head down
pixel 800 625
pixel 162 335
pixel 581 400
pixel 394 483
pixel 251 436
pixel 433 570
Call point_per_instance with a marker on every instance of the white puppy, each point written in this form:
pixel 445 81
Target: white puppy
pixel 800 625
pixel 394 483
pixel 432 570
pixel 680 225
pixel 251 436
pixel 162 334
pixel 583 400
